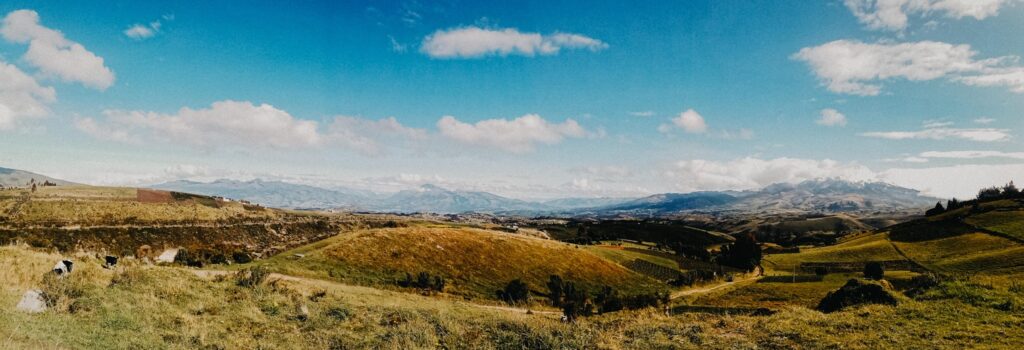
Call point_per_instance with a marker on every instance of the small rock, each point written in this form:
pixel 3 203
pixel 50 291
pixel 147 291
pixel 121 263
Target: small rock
pixel 32 302
pixel 299 255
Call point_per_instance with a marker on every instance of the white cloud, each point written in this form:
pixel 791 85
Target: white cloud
pixel 831 117
pixel 518 135
pixel 224 123
pixel 475 42
pixel 366 136
pixel 642 114
pixel 741 134
pixel 104 132
pixel 943 133
pixel 140 31
pixel 961 181
pixel 892 14
pixel 984 120
pixel 752 173
pixel 53 54
pixel 858 68
pixel 1010 77
pixel 691 122
pixel 21 97
pixel 972 154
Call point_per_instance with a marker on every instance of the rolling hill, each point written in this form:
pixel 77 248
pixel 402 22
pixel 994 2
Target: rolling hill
pixel 475 262
pixel 21 178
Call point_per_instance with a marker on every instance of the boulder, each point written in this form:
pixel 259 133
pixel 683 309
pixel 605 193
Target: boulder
pixel 856 292
pixel 167 256
pixel 32 302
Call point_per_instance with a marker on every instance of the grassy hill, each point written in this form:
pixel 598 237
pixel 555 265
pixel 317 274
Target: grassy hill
pixel 157 307
pixel 475 262
pixel 120 220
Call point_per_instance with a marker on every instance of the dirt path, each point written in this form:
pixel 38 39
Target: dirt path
pixel 289 278
pixel 709 289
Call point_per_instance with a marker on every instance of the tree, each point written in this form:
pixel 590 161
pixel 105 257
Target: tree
pixel 745 253
pixel 938 209
pixel 1010 190
pixel 608 300
pixel 990 193
pixel 576 303
pixel 439 283
pixel 555 289
pixel 874 270
pixel 515 292
pixel 423 280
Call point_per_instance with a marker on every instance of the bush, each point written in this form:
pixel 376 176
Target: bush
pixel 874 270
pixel 855 293
pixel 821 271
pixel 515 292
pixel 252 277
pixel 241 257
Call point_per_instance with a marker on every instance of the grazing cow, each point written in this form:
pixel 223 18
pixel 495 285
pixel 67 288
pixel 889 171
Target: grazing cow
pixel 62 268
pixel 109 261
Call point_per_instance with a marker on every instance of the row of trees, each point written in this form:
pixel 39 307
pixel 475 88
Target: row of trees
pixel 1008 191
pixel 576 302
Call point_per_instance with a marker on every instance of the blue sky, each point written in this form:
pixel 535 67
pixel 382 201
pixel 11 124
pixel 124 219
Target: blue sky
pixel 526 99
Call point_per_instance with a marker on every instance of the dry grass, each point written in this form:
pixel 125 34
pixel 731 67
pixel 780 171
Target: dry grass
pixel 170 308
pixel 474 262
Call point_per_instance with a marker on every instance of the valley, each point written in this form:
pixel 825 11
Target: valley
pixel 248 276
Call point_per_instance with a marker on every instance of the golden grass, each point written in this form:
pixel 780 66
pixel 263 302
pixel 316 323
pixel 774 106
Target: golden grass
pixel 475 262
pixel 622 256
pixel 170 308
pixel 87 205
pixel 976 253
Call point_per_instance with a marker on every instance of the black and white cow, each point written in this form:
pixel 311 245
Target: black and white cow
pixel 63 268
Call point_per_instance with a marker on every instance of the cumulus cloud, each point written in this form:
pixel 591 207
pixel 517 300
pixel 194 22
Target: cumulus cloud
pixel 475 42
pixel 224 123
pixel 21 97
pixel 858 68
pixel 367 136
pixel 91 127
pixel 893 15
pixel 140 31
pixel 751 173
pixel 691 122
pixel 53 54
pixel 943 133
pixel 520 135
pixel 972 154
pixel 831 117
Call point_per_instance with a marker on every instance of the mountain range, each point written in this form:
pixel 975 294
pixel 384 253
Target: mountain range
pixel 823 195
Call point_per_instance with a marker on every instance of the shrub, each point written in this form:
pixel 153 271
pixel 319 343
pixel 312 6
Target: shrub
pixel 515 292
pixel 338 313
pixel 855 293
pixel 874 270
pixel 241 257
pixel 821 271
pixel 555 287
pixel 252 277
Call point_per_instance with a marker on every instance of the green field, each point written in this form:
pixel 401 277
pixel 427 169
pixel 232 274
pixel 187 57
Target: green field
pixel 1010 223
pixel 874 247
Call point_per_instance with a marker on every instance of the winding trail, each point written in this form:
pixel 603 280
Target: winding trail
pixel 709 289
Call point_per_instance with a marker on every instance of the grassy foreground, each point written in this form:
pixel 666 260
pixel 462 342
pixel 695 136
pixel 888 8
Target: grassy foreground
pixel 171 308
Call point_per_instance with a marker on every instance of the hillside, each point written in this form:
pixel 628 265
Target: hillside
pixel 474 262
pixel 122 220
pixel 275 194
pixel 21 178
pixel 434 199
